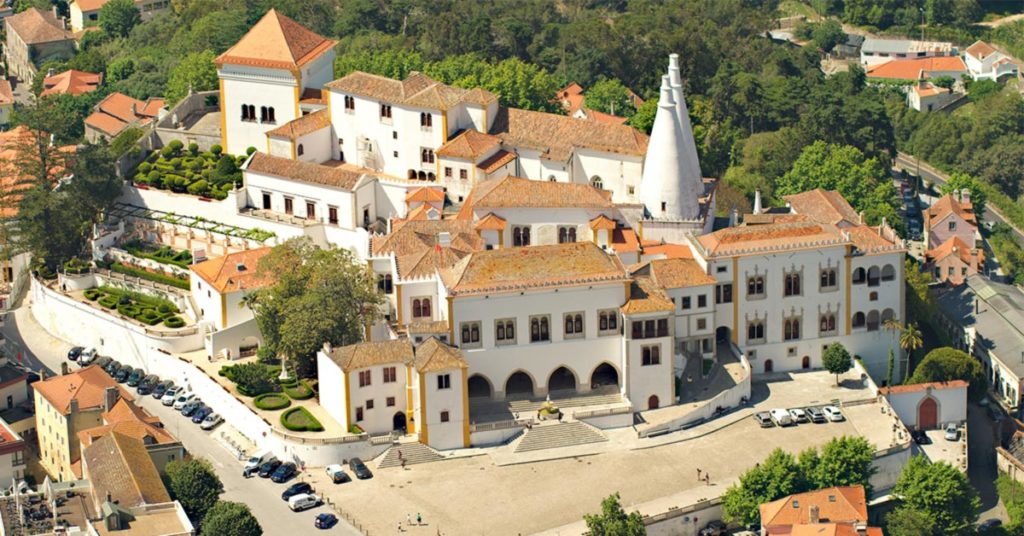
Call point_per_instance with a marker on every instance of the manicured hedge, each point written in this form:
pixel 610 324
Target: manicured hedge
pixel 108 302
pixel 92 294
pixel 300 420
pixel 272 401
pixel 299 391
pixel 174 322
pixel 151 276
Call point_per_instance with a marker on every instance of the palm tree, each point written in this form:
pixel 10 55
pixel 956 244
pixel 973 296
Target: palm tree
pixel 911 339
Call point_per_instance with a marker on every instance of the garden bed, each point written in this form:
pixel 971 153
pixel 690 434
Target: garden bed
pixel 139 307
pixel 163 254
pixel 298 390
pixel 253 379
pixel 150 276
pixel 187 170
pixel 299 419
pixel 271 401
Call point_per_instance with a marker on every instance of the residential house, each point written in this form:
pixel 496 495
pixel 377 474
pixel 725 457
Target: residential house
pixel 918 69
pixel 12 454
pixel 928 406
pixel 471 158
pixel 133 421
pixel 71 82
pixel 849 48
pixel 220 285
pixel 572 99
pixel 835 511
pixel 35 37
pixel 15 398
pixel 66 405
pixel 925 96
pixel 875 51
pixel 986 63
pixel 6 103
pixel 117 112
pixel 952 215
pixel 85 13
pixel 954 261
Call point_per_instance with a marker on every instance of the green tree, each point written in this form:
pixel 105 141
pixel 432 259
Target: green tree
pixel 777 476
pixel 230 519
pixel 947 364
pixel 320 295
pixel 395 64
pixel 911 339
pixel 643 119
pixel 826 35
pixel 193 483
pixel 836 360
pixel 890 367
pixel 608 95
pixel 906 521
pixel 118 17
pixel 614 521
pixel 845 461
pixel 940 492
pixel 960 181
pixel 119 69
pixel 254 379
pixel 196 71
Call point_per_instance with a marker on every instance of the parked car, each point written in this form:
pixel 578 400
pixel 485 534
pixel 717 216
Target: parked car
pixel 112 367
pixel 360 469
pixel 211 421
pixel 764 419
pixel 799 415
pixel 122 374
pixel 135 377
pixel 284 473
pixel 201 414
pixel 75 353
pixel 833 413
pixel 325 521
pixel 920 437
pixel 816 415
pixel 146 385
pixel 781 417
pixel 161 388
pixel 952 432
pixel 191 407
pixel 714 528
pixel 303 501
pixel 269 467
pixel 183 399
pixel 171 396
pixel 295 489
pixel 256 461
pixel 102 361
pixel 337 474
pixel 87 356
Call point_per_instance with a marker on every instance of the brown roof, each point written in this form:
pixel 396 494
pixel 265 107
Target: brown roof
pixel 679 273
pixel 427 326
pixel 824 206
pixel 935 386
pixel 131 420
pixel 234 271
pixel 912 69
pixel 624 240
pixel 980 50
pixel 300 126
pixel 367 354
pixel 603 222
pixel 6 93
pixel 521 268
pixel 87 386
pixel 491 222
pixel 557 136
pixel 871 239
pixel 496 160
pixel 832 529
pixel 417 90
pixel 670 251
pixel 951 246
pixel 434 355
pixel 601 117
pixel 120 465
pixel 425 194
pixel 35 26
pixel 117 111
pixel 13 181
pixel 946 205
pixel 645 296
pixel 90 5
pixel 514 192
pixel 756 239
pixel 276 42
pixel 427 261
pixel 308 172
pixel 470 145
pixel 835 505
pixel 71 82
pixel 413 236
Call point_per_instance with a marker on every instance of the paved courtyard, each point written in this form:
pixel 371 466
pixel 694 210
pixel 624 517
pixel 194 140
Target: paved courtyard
pixel 474 495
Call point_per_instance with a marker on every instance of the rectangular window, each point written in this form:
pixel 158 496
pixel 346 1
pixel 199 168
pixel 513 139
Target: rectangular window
pixel 310 211
pixel 702 323
pixel 686 303
pixel 573 325
pixel 721 269
pixel 650 355
pixel 359 414
pixel 369 404
pixel 448 172
pixel 540 328
pixel 385 113
pixel 390 374
pixel 952 226
pixel 445 417
pixel 663 327
pixel 332 215
pixel 463 174
pixel 470 334
pixel 608 322
pixel 266 201
pixel 364 378
pixel 702 301
pixel 390 401
pixel 288 208
pixel 723 293
pixel 444 381
pixel 350 104
pixel 505 331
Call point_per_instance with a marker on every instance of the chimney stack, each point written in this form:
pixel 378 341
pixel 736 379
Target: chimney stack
pixel 814 515
pixel 861 528
pixel 734 217
pixel 444 239
pixel 757 201
pixel 965 196
pixel 64 369
pixel 110 396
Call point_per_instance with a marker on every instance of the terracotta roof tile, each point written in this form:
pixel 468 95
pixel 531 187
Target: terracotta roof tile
pixel 496 161
pixel 300 126
pixel 777 236
pixel 679 273
pixel 422 212
pixel 71 82
pixel 428 261
pixel 980 50
pixel 427 327
pixel 414 236
pixel 601 117
pixel 557 136
pixel 425 194
pixel 234 271
pixel 470 145
pixel 645 296
pixel 117 111
pixel 276 42
pixel 491 222
pixel 417 89
pixel 87 386
pixel 12 181
pixel 6 93
pixel 946 205
pixel 831 529
pixel 624 240
pixel 90 5
pixel 36 26
pixel 935 386
pixel 911 69
pixel 522 268
pixel 603 222
pixel 835 505
pixel 120 465
pixel 514 192
pixel 670 251
pixel 307 172
pixel 131 420
pixel 367 354
pixel 434 355
pixel 824 206
pixel 954 246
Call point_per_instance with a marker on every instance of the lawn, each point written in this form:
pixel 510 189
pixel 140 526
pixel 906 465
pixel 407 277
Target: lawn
pixel 146 309
pixel 162 254
pixel 272 401
pixel 187 170
pixel 182 283
pixel 300 420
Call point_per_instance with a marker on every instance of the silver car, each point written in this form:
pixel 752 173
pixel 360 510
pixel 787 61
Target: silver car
pixel 211 421
pixel 170 395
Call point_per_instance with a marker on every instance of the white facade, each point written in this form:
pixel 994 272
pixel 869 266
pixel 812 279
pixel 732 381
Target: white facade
pixel 938 403
pixel 986 63
pixel 441 408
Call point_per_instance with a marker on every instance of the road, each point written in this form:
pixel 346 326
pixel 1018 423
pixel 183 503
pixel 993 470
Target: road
pixel 39 349
pixel 981 460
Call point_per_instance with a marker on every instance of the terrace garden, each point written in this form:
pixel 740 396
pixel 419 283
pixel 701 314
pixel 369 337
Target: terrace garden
pixel 209 174
pixel 162 254
pixel 146 309
pixel 300 420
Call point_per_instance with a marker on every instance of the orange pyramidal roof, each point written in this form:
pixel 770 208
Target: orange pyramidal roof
pixel 277 42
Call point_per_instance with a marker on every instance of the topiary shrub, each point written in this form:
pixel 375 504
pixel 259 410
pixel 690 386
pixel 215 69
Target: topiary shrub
pixel 108 302
pixel 300 391
pixel 199 187
pixel 300 420
pixel 174 322
pixel 145 168
pixel 193 148
pixel 92 294
pixel 216 149
pixel 165 308
pixel 271 401
pixel 249 151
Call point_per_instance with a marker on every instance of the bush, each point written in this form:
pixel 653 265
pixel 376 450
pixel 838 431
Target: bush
pixel 176 145
pixel 165 308
pixel 200 187
pixel 253 379
pixel 271 401
pixel 108 302
pixel 193 148
pixel 300 420
pixel 249 151
pixel 145 168
pixel 300 391
pixel 355 429
pixel 76 266
pixel 145 274
pixel 92 294
pixel 216 149
pixel 174 322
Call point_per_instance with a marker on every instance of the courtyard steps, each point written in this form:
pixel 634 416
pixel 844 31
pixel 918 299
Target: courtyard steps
pixel 526 406
pixel 412 452
pixel 557 435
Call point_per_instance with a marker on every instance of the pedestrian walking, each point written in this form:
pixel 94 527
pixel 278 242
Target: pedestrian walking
pixel 408 519
pixel 399 527
pixel 400 455
pixel 419 519
pixel 403 464
pixel 707 478
pixel 698 474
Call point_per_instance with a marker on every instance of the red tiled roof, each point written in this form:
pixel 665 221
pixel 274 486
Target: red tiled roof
pixel 35 26
pixel 951 246
pixel 515 192
pixel 679 273
pixel 286 168
pixel 980 50
pixel 117 111
pixel 557 136
pixel 300 126
pixel 71 82
pixel 835 505
pixel 496 161
pixel 417 90
pixel 490 222
pixel 946 205
pixel 425 194
pixel 935 386
pixel 469 145
pixel 911 69
pixel 645 296
pixel 276 42
pixel 825 206
pixel 87 386
pixel 234 271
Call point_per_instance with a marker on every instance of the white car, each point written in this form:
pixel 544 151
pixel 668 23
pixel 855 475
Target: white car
pixel 833 413
pixel 170 395
pixel 183 399
pixel 781 417
pixel 799 415
pixel 88 355
pixel 303 501
pixel 211 421
pixel 952 432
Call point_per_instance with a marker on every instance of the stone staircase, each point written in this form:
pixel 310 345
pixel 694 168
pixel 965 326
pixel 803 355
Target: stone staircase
pixel 412 452
pixel 481 410
pixel 555 435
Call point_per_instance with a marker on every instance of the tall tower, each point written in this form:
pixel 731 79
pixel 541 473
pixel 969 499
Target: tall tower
pixel 691 164
pixel 669 189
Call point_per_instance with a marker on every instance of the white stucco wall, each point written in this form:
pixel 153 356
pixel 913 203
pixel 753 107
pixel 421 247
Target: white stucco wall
pixel 259 87
pixel 444 435
pixel 952 404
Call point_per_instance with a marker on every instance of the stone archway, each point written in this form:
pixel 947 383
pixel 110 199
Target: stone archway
pixel 398 421
pixel 519 385
pixel 603 376
pixel 562 379
pixel 479 387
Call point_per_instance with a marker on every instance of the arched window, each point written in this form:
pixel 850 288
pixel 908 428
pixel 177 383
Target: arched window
pixel 422 175
pixel 421 308
pixel 859 276
pixel 431 176
pixel 596 182
pixel 263 114
pixel 300 150
pixel 828 323
pixel 270 115
pixel 388 284
pixel 551 178
pixel 755 331
pixel 887 315
pixel 574 324
pixel 412 174
pixel 792 285
pixel 888 273
pixel 417 309
pixel 539 329
pixel 791 329
pixel 828 278
pixel 609 321
pixel 426 307
pixel 873 321
pixel 806 363
pixel 520 236
pixel 426 120
pixel 427 156
pixel 245 113
pixel 873 276
pixel 858 320
pixel 755 286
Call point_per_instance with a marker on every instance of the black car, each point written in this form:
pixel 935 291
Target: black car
pixel 102 361
pixel 268 468
pixel 295 489
pixel 920 437
pixel 360 469
pixel 112 367
pixel 161 388
pixel 122 374
pixel 146 385
pixel 284 472
pixel 135 377
pixel 75 353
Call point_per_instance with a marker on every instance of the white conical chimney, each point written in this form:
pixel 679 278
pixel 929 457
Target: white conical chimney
pixel 757 201
pixel 691 163
pixel 666 192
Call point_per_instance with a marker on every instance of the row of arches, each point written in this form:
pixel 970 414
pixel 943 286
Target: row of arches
pixel 874 275
pixel 422 175
pixel 873 320
pixel 521 384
